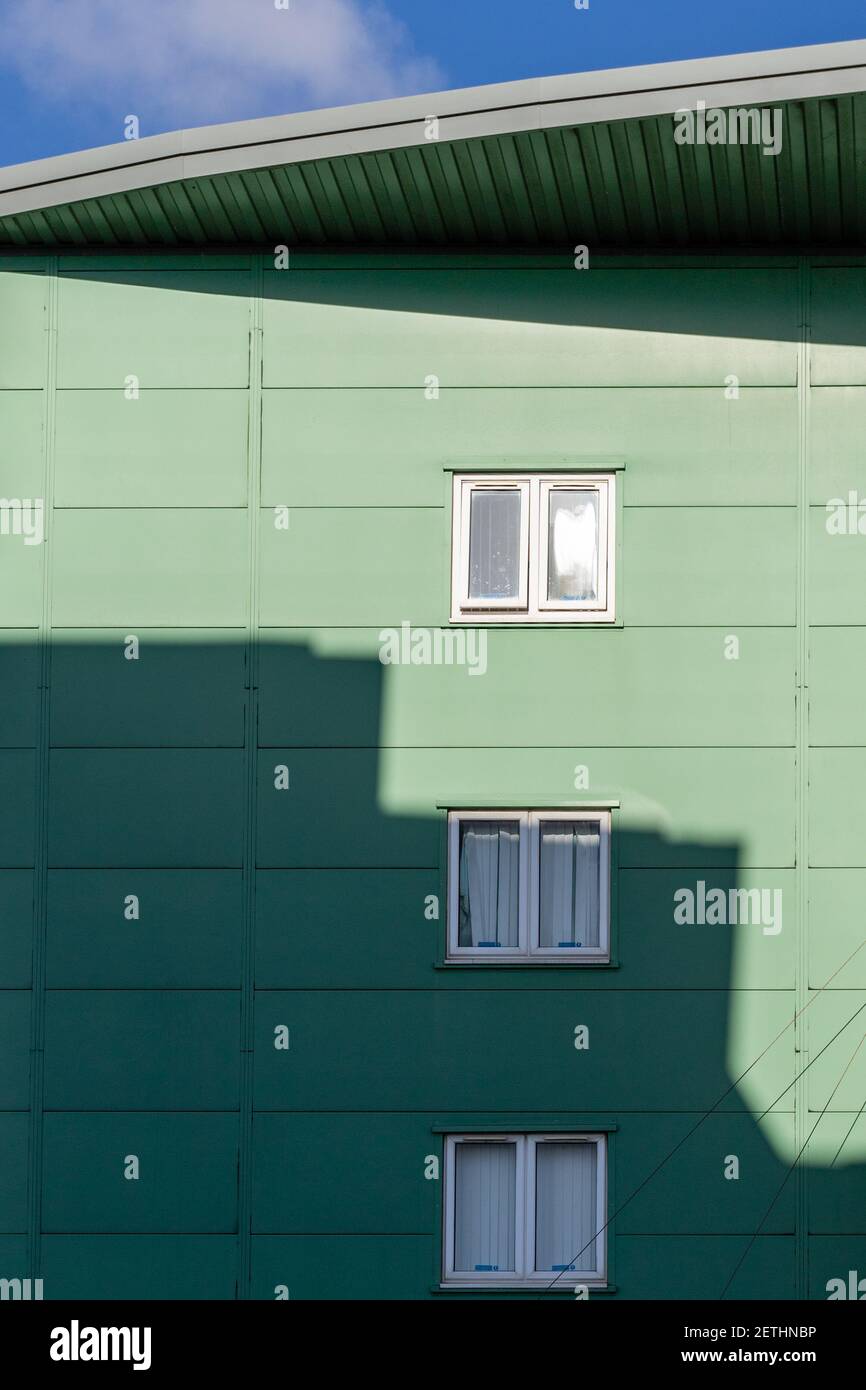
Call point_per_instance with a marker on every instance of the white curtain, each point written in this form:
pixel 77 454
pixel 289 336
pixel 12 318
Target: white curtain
pixel 489 883
pixel 494 544
pixel 572 550
pixel 485 1203
pixel 565 1206
pixel 570 860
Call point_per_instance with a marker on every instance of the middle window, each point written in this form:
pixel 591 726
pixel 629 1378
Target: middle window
pixel 533 549
pixel 531 886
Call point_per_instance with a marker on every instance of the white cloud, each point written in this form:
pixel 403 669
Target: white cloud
pixel 190 62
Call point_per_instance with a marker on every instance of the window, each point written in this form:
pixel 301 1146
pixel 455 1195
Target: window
pixel 528 886
pixel 533 549
pixel 524 1208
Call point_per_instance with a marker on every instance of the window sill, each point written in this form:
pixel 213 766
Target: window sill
pixel 552 964
pixel 485 621
pixel 515 1290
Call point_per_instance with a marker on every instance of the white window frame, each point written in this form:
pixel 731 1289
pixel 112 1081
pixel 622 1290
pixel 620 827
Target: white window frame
pixel 525 1275
pixel 529 951
pixel 533 605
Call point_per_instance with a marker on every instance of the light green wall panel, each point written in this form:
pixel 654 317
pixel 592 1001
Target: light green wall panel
pixel 837 813
pixel 154 568
pixel 22 468
pixel 697 1268
pixel 838 305
pixel 357 1268
pixel 442 1050
pixel 532 687
pixel 15 1254
pixel 831 1257
pixel 836 898
pixel 654 951
pixel 22 306
pixel 355 566
pixel 140 1267
pixel 17 808
pixel 329 815
pixel 142 1049
pixel 357 928
pixel 369 1174
pixel 187 1173
pixel 837 421
pixel 168 328
pixel 185 690
pixel 529 328
pixel 837 573
pixel 16 928
pixel 837 672
pixel 382 566
pixel 708 566
pixel 837 1187
pixel 186 934
pixel 306 937
pixel 690 1193
pixel 323 679
pixel 13 1178
pixel 19 682
pixel 837 1077
pixel 14 1049
pixel 160 808
pixel 21 570
pixel 178 448
pixel 342 1173
pixel 682 446
pixel 713 806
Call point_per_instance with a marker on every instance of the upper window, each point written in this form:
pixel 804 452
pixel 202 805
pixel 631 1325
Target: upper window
pixel 528 886
pixel 533 549
pixel 525 1209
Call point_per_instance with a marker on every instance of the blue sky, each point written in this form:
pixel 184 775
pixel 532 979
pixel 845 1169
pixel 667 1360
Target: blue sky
pixel 71 71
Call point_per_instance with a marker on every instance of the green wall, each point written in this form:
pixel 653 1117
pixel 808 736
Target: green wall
pixel 305 389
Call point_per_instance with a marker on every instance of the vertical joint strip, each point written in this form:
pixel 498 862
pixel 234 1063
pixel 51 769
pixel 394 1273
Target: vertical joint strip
pixel 801 963
pixel 247 996
pixel 42 760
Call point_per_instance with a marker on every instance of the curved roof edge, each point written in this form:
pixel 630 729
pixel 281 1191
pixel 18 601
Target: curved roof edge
pixel 534 104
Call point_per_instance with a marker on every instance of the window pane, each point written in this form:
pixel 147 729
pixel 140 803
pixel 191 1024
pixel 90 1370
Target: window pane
pixel 484 1215
pixel 569 883
pixel 572 545
pixel 565 1206
pixel 494 544
pixel 489 883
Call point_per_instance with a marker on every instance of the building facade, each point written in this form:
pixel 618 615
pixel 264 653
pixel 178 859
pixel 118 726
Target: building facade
pixel 433 603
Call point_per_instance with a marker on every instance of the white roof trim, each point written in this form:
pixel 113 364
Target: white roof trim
pixel 617 94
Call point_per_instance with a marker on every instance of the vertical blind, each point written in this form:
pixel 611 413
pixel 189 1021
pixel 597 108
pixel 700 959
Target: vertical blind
pixel 494 544
pixel 485 1207
pixel 565 1206
pixel 489 883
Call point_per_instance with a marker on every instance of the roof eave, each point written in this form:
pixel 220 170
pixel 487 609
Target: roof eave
pixel 754 79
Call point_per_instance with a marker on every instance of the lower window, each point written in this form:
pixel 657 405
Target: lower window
pixel 525 1209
